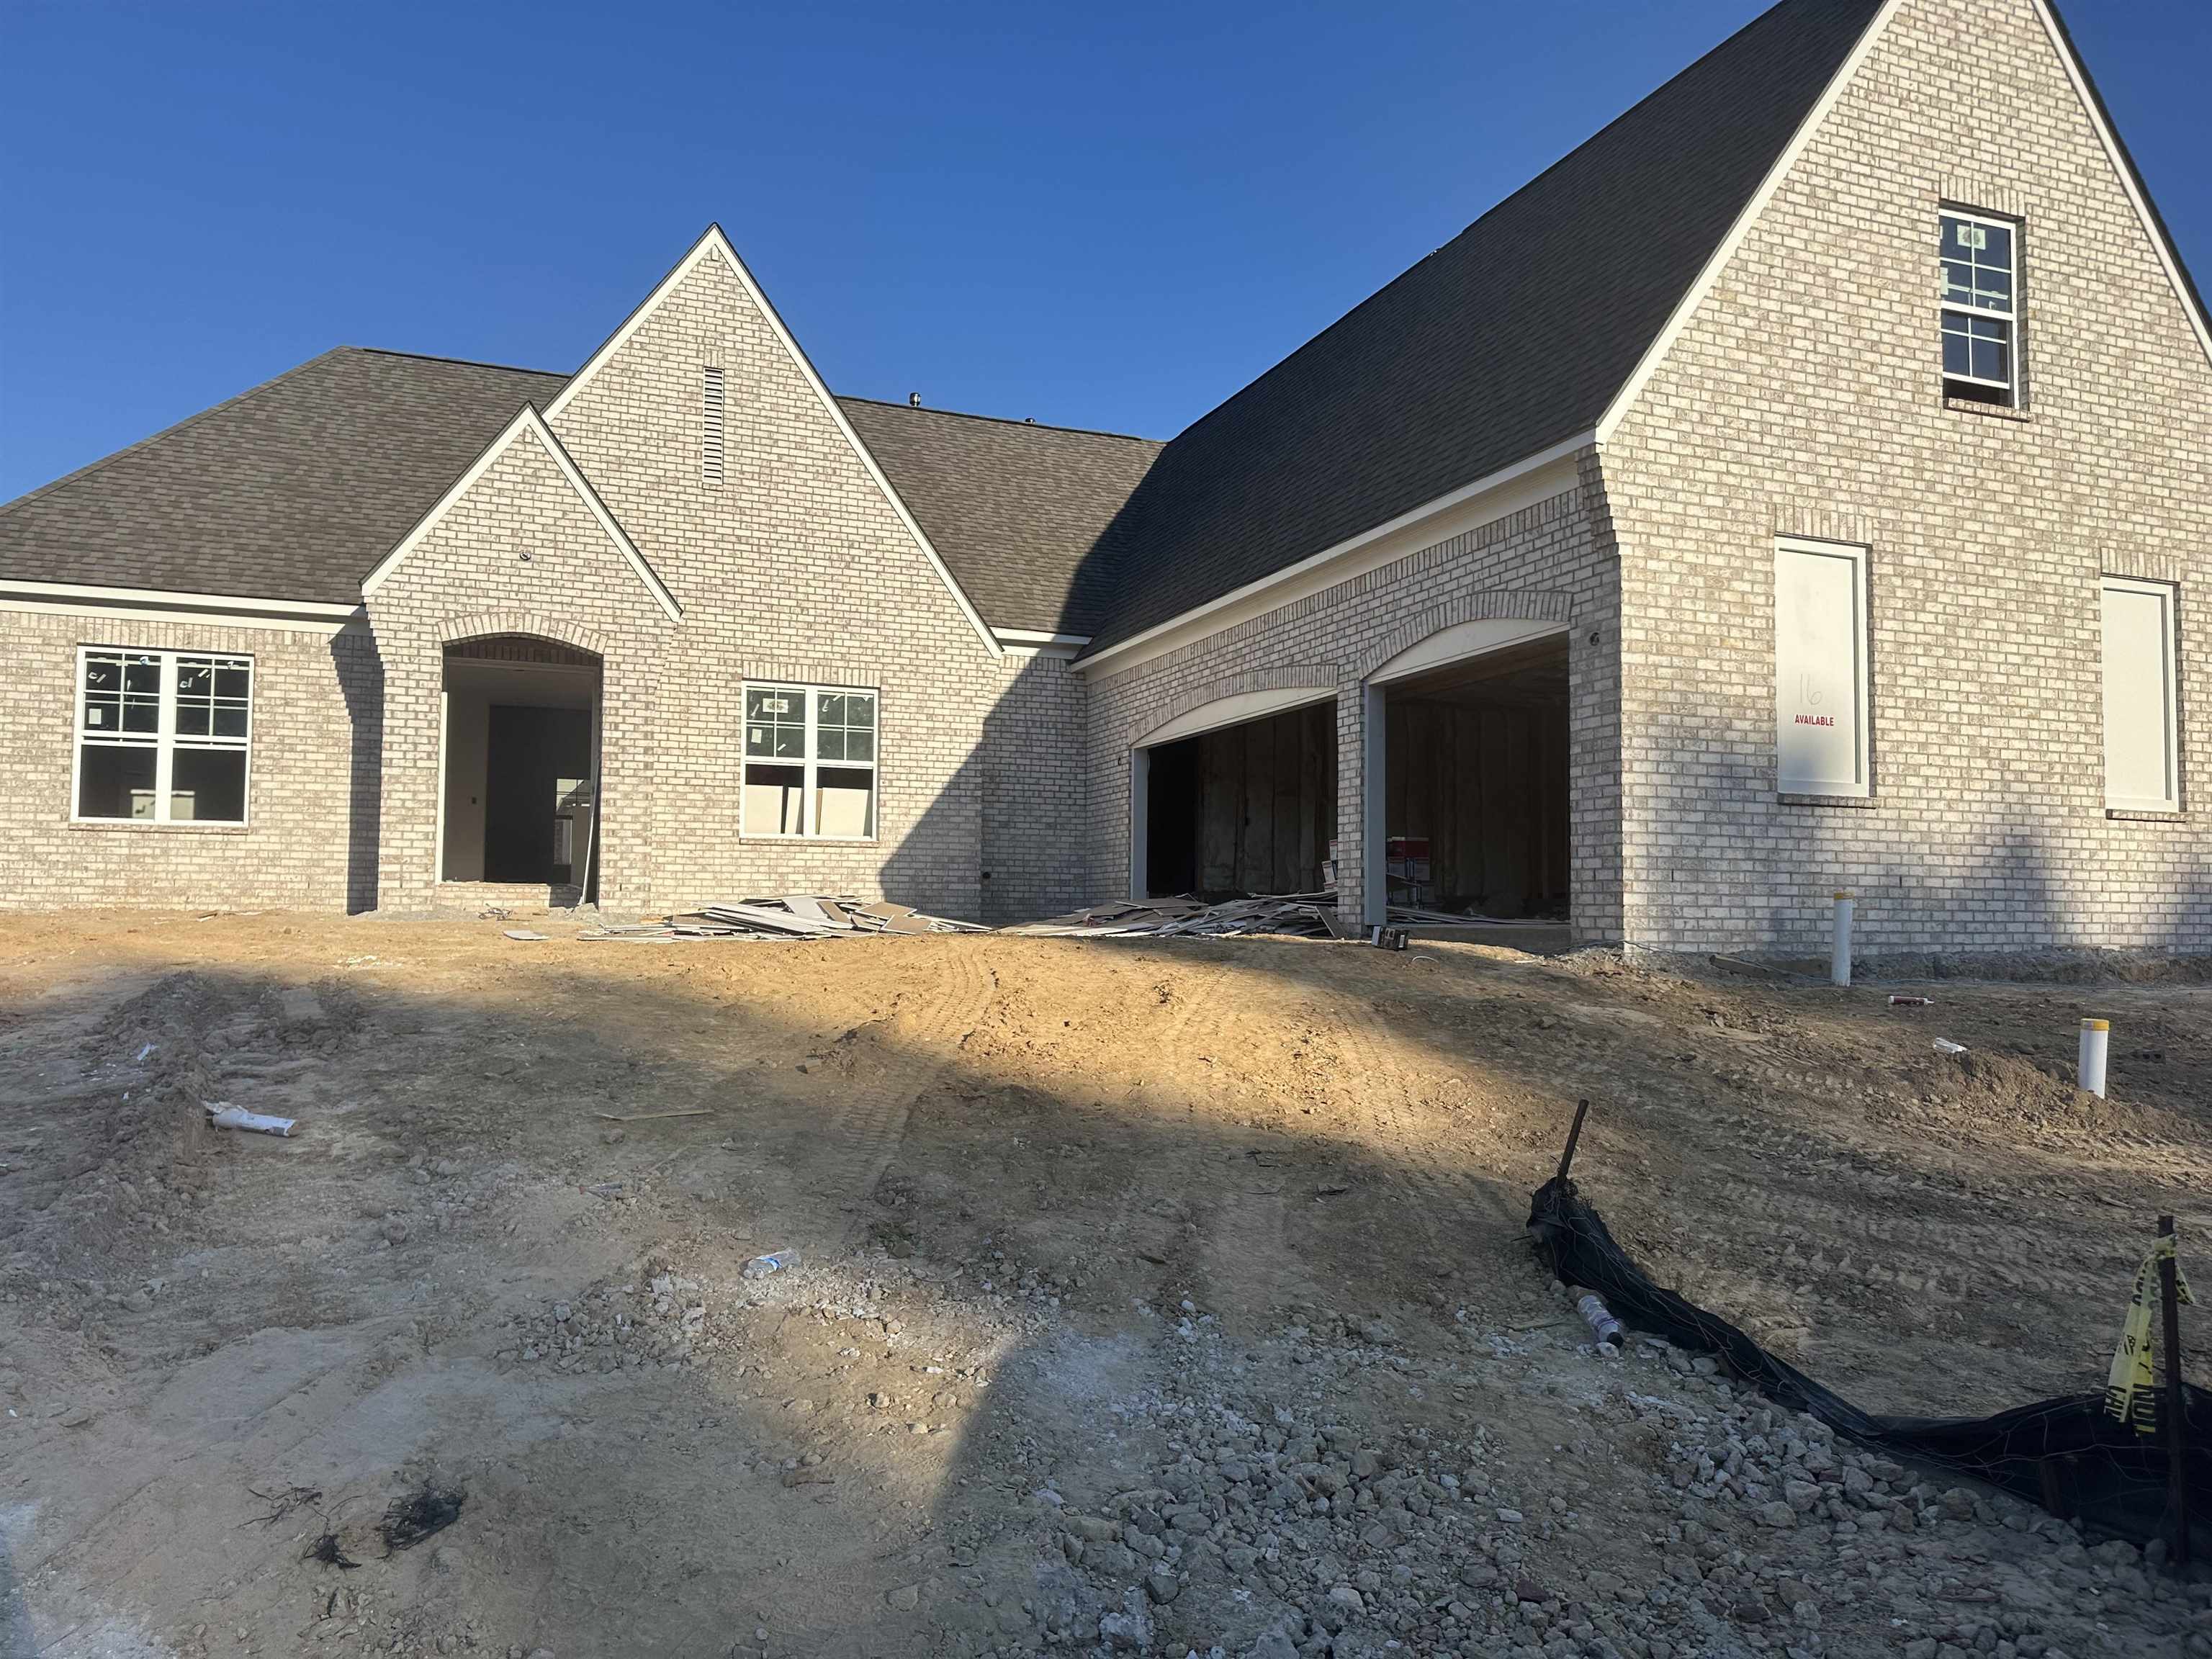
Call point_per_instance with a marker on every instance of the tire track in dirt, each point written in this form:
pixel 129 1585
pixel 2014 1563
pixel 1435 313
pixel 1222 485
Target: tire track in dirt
pixel 860 1136
pixel 1443 1202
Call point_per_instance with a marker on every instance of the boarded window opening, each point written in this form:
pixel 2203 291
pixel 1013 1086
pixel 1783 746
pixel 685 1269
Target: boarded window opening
pixel 1820 688
pixel 2141 746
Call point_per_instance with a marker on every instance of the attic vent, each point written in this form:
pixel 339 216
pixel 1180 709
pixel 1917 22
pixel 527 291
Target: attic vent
pixel 710 427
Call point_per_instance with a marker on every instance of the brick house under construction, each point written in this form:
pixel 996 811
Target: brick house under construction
pixel 1802 484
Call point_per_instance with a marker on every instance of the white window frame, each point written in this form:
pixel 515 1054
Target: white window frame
pixel 165 740
pixel 811 762
pixel 2169 598
pixel 2010 317
pixel 1860 787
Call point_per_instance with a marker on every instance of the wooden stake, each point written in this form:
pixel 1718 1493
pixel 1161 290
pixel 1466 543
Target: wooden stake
pixel 1567 1157
pixel 2177 1408
pixel 647 1117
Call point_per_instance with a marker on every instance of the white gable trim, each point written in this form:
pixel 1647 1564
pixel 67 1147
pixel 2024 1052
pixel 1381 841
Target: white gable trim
pixel 714 244
pixel 527 420
pixel 1656 353
pixel 2125 172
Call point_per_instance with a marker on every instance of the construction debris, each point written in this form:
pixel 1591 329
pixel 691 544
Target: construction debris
pixel 224 1115
pixel 793 916
pixel 1304 916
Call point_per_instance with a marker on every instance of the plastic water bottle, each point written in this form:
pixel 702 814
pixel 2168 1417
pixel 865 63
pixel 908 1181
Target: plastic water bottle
pixel 776 1261
pixel 1600 1321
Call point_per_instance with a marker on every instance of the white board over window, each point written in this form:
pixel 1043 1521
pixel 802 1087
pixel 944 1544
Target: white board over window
pixel 2140 750
pixel 1820 669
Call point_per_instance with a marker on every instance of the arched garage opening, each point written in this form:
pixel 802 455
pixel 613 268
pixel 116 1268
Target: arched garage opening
pixel 1238 797
pixel 1467 812
pixel 519 764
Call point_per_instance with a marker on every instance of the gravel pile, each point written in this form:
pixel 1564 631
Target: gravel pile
pixel 1689 1518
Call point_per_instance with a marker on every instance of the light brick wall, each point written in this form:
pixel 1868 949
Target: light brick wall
pixel 1036 792
pixel 1552 561
pixel 1804 398
pixel 520 553
pixel 310 839
pixel 794 566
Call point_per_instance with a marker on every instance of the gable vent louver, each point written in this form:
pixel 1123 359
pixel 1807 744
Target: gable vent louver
pixel 710 427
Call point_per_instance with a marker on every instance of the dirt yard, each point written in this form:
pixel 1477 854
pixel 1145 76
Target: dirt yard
pixel 1156 1297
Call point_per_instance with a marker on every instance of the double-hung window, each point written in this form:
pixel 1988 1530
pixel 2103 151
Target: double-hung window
pixel 162 735
pixel 1981 308
pixel 810 763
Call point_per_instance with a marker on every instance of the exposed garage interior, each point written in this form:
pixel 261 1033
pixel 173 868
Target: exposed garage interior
pixel 520 763
pixel 1248 808
pixel 1475 784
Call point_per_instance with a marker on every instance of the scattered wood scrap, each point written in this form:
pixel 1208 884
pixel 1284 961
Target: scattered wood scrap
pixel 787 916
pixel 1304 916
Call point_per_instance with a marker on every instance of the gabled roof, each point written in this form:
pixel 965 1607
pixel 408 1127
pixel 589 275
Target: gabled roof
pixel 1019 510
pixel 1511 338
pixel 293 490
pixel 529 423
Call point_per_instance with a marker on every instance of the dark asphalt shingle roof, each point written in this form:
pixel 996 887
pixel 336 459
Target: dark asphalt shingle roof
pixel 1018 510
pixel 1511 337
pixel 1514 336
pixel 293 490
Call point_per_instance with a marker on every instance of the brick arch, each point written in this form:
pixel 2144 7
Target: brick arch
pixel 452 630
pixel 1294 677
pixel 1492 604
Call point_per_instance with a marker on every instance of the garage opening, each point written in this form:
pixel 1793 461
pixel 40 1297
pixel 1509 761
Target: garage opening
pixel 1243 809
pixel 520 763
pixel 1475 785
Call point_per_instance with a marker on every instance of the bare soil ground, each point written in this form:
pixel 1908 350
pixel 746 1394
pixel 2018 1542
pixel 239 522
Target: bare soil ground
pixel 1153 1297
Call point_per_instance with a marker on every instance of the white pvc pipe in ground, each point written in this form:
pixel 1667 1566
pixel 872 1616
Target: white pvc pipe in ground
pixel 2096 1037
pixel 1840 958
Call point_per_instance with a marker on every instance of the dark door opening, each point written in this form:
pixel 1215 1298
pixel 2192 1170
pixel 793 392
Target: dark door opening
pixel 536 759
pixel 1248 809
pixel 1477 799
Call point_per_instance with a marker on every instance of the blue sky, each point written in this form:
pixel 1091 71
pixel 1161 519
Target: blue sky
pixel 1099 215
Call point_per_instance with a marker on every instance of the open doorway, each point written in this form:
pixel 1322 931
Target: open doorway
pixel 1248 808
pixel 1475 801
pixel 520 790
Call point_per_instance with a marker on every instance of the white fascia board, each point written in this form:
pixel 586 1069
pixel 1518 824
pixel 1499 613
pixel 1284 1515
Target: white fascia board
pixel 162 596
pixel 1684 308
pixel 2078 78
pixel 527 419
pixel 1037 636
pixel 1538 477
pixel 12 598
pixel 715 245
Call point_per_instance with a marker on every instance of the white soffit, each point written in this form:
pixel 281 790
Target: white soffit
pixel 715 245
pixel 1466 638
pixel 1236 711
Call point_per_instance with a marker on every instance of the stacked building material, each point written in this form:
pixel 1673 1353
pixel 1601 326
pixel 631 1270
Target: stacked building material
pixel 793 916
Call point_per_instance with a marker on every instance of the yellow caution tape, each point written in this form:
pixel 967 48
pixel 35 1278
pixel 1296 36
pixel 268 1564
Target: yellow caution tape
pixel 2131 1391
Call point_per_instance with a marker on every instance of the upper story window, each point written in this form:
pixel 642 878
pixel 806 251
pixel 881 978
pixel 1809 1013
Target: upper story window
pixel 162 735
pixel 1981 308
pixel 810 763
